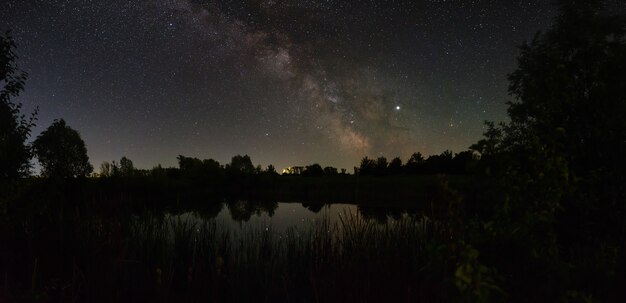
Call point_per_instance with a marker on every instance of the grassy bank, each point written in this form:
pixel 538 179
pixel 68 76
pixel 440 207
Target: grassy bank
pixel 153 257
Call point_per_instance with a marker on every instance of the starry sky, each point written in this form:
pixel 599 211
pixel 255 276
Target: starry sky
pixel 287 82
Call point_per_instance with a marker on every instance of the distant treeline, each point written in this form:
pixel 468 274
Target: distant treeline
pixel 461 163
pixel 374 181
pixel 188 167
pixel 194 168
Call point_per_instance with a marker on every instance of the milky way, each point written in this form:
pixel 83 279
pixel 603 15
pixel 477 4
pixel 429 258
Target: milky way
pixel 287 82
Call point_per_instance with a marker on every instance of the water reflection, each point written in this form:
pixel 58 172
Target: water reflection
pixel 314 207
pixel 242 210
pixel 280 216
pixel 124 250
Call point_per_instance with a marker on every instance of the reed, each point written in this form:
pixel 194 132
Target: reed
pixel 176 257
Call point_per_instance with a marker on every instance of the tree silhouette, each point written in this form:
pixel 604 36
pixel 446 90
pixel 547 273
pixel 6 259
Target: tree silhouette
pixel 381 166
pixel 330 171
pixel 115 168
pixel 415 163
pixel 106 169
pixel 569 92
pixel 436 164
pixel 395 166
pixel 188 163
pixel 61 152
pixel 560 158
pixel 463 162
pixel 211 165
pixel 126 167
pixel 313 170
pixel 194 168
pixel 491 149
pixel 15 128
pixel 567 118
pixel 271 170
pixel 367 166
pixel 241 165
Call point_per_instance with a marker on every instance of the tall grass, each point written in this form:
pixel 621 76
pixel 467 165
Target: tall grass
pixel 158 257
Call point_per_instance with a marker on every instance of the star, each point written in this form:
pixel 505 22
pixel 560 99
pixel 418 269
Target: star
pixel 251 77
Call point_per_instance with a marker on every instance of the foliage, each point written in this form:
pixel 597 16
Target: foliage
pixel 330 171
pixel 560 158
pixel 380 167
pixel 15 128
pixel 446 163
pixel 126 167
pixel 474 280
pixel 395 166
pixel 194 168
pixel 313 170
pixel 105 169
pixel 271 170
pixel 241 165
pixel 368 166
pixel 62 152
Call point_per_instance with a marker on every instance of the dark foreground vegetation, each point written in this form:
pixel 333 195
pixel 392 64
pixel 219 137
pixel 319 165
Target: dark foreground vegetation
pixel 152 257
pixel 537 216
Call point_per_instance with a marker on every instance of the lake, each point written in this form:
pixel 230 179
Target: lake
pixel 279 217
pixel 237 251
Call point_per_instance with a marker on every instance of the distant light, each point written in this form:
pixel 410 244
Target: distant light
pixel 397 107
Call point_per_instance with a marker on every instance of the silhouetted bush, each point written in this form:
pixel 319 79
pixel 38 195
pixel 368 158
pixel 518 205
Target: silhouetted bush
pixel 62 152
pixel 15 129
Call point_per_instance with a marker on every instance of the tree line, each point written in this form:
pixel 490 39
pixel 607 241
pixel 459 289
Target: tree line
pixel 240 166
pixel 444 163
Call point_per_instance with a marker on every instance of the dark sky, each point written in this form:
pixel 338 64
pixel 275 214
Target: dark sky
pixel 287 82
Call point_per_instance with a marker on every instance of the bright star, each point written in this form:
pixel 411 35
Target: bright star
pixel 397 107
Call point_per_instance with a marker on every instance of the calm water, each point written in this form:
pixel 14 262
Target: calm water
pixel 278 217
pixel 288 215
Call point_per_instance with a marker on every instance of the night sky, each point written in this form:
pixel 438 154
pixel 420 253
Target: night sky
pixel 287 82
